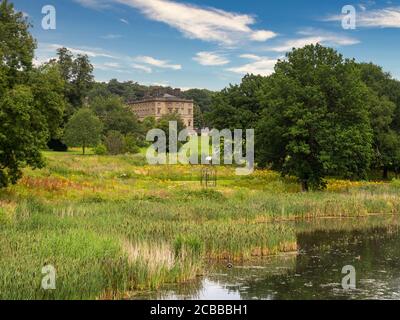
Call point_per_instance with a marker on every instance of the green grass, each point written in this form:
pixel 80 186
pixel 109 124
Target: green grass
pixel 113 225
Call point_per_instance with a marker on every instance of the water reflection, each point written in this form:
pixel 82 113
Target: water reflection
pixel 371 245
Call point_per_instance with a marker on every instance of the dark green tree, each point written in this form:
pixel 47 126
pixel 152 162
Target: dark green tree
pixel 382 108
pixel 202 105
pixel 201 97
pixel 16 47
pixel 23 131
pixel 116 116
pixel 77 73
pixel 164 124
pixel 30 101
pixel 316 120
pixel 238 106
pixel 47 87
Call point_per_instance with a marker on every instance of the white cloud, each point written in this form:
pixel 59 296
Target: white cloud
pixel 208 24
pixel 260 65
pixel 250 56
pixel 142 68
pixel 157 63
pixel 313 37
pixel 159 84
pixel 124 21
pixel 380 18
pixel 210 59
pixel 111 36
pixel 362 6
pixel 94 4
pixel 90 52
pixel 110 66
pixel 262 35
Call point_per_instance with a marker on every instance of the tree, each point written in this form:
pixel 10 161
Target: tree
pixel 149 123
pixel 202 104
pixel 238 106
pixel 23 132
pixel 47 87
pixel 16 47
pixel 27 104
pixel 83 79
pixel 164 122
pixel 115 115
pixel 77 73
pixel 83 130
pixel 199 120
pixel 316 121
pixel 131 144
pixel 382 108
pixel 201 97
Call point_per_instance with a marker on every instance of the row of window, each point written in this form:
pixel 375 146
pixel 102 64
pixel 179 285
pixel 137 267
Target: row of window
pixel 142 110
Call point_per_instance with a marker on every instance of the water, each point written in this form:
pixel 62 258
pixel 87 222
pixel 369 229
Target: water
pixel 372 246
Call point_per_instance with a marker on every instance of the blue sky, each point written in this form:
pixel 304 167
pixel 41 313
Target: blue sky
pixel 209 44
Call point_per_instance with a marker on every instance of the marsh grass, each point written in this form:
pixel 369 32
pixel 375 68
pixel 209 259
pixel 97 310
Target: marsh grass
pixel 112 225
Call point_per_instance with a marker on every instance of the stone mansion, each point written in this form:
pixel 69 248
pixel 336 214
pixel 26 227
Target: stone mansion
pixel 157 107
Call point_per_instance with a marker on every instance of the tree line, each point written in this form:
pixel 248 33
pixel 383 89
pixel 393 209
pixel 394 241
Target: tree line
pixel 58 104
pixel 317 115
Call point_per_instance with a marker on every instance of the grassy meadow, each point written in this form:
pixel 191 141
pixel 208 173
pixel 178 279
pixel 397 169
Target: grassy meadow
pixel 113 226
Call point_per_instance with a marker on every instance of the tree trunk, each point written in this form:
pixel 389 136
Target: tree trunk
pixel 83 148
pixel 385 173
pixel 304 186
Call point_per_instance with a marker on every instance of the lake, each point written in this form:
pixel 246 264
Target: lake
pixel 370 245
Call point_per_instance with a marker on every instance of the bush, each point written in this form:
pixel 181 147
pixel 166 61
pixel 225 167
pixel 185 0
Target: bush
pixel 130 144
pixel 396 183
pixel 100 150
pixel 114 142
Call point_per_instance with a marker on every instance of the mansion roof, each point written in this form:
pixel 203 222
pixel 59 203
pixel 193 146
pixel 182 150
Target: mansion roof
pixel 164 98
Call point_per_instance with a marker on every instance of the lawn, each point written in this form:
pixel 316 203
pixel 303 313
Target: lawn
pixel 112 225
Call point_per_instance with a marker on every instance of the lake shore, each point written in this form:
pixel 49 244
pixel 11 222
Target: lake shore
pixel 112 225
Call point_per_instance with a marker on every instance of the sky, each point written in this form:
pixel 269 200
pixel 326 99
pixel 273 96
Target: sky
pixel 210 44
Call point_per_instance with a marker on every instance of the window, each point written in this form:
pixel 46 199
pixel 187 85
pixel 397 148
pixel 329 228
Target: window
pixel 158 110
pixel 189 123
pixel 190 111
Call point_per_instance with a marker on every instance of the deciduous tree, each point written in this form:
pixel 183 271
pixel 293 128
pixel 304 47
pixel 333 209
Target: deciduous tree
pixel 316 120
pixel 83 130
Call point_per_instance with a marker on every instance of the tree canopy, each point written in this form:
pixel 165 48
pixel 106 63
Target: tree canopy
pixel 316 121
pixel 83 129
pixel 31 104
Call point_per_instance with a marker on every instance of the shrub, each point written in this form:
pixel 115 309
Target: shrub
pixel 114 142
pixel 396 183
pixel 100 150
pixel 130 144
